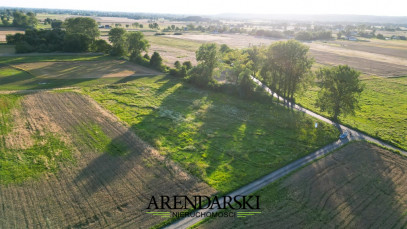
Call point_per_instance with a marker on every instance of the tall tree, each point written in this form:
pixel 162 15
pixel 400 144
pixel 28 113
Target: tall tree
pixel 136 44
pixel 117 36
pixel 207 57
pixel 82 25
pixel 287 67
pixel 340 90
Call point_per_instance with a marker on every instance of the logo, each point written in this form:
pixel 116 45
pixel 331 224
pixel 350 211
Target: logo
pixel 194 205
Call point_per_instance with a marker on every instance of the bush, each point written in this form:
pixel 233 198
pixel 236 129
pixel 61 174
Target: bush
pixel 14 39
pixel 101 46
pixel 188 65
pixel 23 47
pixel 156 61
pixel 146 56
pixel 77 43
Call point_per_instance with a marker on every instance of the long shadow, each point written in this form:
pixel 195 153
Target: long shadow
pixel 226 141
pixel 107 167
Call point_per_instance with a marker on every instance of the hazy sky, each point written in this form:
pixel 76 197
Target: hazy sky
pixel 362 7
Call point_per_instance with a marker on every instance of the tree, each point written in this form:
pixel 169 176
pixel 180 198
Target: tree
pixel 24 20
pixel 380 36
pixel 256 56
pixel 119 43
pixel 177 65
pixel 82 25
pixel 287 67
pixel 340 90
pixel 224 48
pixel 187 64
pixel 77 42
pixel 234 63
pixel 56 24
pixel 136 44
pixel 207 59
pixel 101 46
pixel 156 61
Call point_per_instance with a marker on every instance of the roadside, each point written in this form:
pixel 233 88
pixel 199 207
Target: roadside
pixel 352 135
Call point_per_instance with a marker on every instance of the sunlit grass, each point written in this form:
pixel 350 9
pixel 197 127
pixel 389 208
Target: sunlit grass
pixel 226 141
pixel 383 109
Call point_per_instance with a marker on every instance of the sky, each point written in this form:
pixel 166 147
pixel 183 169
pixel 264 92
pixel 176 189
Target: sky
pixel 210 7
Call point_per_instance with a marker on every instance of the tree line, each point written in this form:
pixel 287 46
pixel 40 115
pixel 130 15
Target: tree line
pixel 73 35
pixel 284 67
pixel 18 19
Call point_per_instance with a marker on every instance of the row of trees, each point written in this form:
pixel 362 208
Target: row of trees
pixel 284 67
pixel 81 34
pixel 78 35
pixel 134 44
pixel 20 19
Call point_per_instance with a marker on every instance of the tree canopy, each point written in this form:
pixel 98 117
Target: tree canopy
pixel 340 90
pixel 287 67
pixel 82 25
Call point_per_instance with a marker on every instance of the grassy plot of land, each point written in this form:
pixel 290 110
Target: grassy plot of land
pixel 383 110
pixel 358 186
pixel 174 42
pixel 26 154
pixel 226 141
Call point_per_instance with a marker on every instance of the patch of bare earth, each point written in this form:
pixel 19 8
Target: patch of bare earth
pixel 98 190
pixel 358 186
pixel 85 69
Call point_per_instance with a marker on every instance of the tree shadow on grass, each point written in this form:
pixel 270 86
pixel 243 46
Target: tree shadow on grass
pixel 227 141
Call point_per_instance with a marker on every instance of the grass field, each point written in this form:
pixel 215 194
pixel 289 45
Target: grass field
pixel 226 141
pixel 383 109
pixel 174 42
pixel 358 186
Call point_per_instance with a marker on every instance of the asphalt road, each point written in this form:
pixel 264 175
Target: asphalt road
pixel 262 182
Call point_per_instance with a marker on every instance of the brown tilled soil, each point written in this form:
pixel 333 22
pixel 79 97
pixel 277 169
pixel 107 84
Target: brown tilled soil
pixel 85 69
pixel 367 66
pixel 359 186
pixel 98 190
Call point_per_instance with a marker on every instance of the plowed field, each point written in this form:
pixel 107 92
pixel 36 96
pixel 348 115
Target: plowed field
pixel 108 184
pixel 358 186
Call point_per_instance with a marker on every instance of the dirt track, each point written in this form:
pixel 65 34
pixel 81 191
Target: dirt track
pixel 99 190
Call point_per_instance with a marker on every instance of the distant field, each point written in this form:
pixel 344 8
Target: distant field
pixel 383 109
pixel 390 48
pixel 173 49
pixel 358 186
pixel 67 163
pixel 226 141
